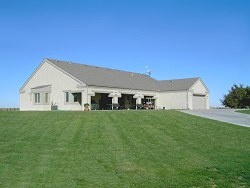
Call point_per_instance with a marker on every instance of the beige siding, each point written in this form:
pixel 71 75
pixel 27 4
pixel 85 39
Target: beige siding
pixel 199 88
pixel 59 81
pixel 173 100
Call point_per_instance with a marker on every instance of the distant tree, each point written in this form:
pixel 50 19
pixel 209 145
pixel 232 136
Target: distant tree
pixel 238 97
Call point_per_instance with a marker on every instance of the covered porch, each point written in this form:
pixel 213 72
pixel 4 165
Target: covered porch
pixel 120 101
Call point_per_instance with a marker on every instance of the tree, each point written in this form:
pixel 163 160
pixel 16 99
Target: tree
pixel 238 97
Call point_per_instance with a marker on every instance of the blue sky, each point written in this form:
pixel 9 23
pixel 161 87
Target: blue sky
pixel 174 38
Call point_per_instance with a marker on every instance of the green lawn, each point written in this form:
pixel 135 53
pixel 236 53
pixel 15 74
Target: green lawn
pixel 244 111
pixel 121 149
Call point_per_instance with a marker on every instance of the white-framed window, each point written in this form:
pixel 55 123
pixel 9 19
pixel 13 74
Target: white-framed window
pixel 37 98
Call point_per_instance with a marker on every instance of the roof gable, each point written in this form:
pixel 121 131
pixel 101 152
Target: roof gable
pixel 202 83
pixel 39 67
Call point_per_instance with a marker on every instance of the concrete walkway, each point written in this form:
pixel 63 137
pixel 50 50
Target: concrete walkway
pixel 224 115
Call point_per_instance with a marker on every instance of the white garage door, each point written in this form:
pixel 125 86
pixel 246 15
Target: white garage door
pixel 199 102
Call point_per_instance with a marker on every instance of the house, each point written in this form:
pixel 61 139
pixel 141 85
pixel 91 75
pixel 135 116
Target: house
pixel 68 86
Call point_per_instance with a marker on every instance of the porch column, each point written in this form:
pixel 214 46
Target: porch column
pixel 138 100
pixel 156 102
pixel 84 98
pixel 115 96
pixel 115 100
pixel 90 94
pixel 138 97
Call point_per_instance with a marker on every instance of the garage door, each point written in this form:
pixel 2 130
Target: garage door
pixel 199 102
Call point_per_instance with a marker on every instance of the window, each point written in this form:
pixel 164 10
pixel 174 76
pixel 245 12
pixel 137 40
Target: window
pixel 67 97
pixel 46 97
pixel 75 97
pixel 37 97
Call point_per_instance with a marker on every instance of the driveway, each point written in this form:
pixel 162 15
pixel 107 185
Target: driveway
pixel 224 115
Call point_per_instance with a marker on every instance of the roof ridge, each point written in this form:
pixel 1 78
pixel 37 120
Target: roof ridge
pixel 180 79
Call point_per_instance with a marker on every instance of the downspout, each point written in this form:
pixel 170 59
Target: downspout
pixel 188 99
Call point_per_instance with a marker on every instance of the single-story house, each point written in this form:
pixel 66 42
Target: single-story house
pixel 65 85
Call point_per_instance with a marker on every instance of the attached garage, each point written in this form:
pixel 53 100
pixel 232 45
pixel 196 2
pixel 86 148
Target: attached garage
pixel 199 102
pixel 189 93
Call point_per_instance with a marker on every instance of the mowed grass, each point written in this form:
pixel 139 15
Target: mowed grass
pixel 121 149
pixel 244 111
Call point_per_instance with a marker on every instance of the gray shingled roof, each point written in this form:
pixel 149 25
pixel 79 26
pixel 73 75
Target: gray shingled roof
pixel 104 77
pixel 97 76
pixel 177 84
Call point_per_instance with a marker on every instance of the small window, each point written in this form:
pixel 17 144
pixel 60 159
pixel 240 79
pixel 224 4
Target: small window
pixel 67 97
pixel 46 97
pixel 37 97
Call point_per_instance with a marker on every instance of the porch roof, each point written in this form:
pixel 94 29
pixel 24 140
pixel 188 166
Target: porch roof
pixel 42 88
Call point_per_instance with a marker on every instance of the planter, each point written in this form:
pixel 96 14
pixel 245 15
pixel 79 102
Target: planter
pixel 86 107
